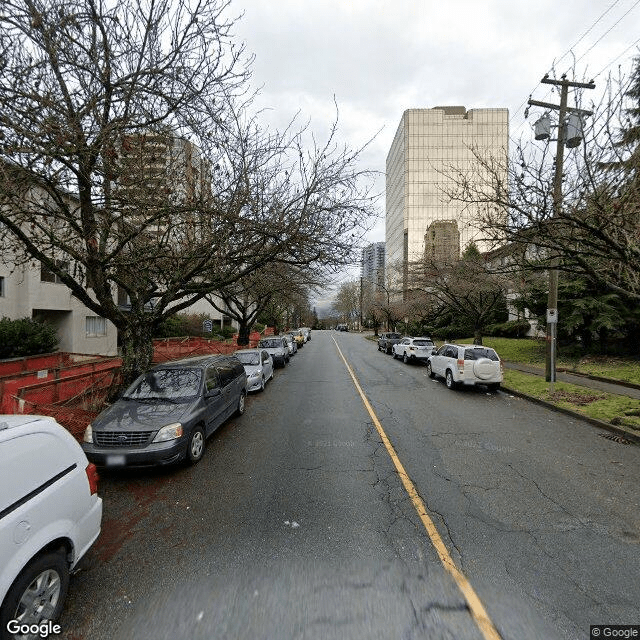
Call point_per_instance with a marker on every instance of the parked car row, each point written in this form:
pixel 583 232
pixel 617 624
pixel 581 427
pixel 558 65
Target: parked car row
pixel 457 364
pixel 50 511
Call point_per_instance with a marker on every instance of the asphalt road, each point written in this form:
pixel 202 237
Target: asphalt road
pixel 296 525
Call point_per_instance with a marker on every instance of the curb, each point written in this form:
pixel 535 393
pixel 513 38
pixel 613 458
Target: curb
pixel 627 434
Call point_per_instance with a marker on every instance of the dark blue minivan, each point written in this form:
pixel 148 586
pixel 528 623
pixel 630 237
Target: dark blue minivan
pixel 168 413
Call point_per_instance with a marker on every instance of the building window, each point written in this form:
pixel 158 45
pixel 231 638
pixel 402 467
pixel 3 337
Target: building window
pixel 96 326
pixel 2 294
pixel 49 276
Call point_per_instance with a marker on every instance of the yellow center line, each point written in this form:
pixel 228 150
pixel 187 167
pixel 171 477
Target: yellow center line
pixel 476 608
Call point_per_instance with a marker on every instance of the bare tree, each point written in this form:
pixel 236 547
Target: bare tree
pixel 347 301
pixel 464 288
pixel 130 170
pixel 596 230
pixel 246 299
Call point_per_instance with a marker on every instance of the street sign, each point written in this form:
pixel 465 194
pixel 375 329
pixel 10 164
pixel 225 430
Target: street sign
pixel 552 316
pixel 207 326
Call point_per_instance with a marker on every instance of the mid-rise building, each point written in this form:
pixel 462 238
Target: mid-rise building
pixel 373 263
pixel 433 148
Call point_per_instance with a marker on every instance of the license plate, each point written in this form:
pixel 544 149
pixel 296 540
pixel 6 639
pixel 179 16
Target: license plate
pixel 115 461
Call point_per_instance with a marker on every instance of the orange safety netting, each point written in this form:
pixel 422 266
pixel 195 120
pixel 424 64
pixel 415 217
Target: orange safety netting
pixel 72 388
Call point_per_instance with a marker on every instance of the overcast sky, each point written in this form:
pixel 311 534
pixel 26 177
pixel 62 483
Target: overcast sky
pixel 380 57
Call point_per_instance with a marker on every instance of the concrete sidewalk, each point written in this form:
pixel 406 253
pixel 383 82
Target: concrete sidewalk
pixel 609 386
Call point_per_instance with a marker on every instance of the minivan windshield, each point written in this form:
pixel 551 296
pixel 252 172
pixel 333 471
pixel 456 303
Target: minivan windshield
pixel 165 384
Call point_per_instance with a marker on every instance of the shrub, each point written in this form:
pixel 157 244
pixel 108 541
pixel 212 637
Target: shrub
pixel 510 329
pixel 26 337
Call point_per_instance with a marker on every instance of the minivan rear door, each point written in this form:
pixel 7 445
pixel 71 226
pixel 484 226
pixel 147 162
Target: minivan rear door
pixel 214 399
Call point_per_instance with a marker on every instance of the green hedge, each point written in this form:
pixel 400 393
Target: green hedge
pixel 26 337
pixel 510 329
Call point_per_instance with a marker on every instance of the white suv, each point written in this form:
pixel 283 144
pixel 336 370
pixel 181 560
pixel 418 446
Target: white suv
pixel 50 515
pixel 413 349
pixel 467 364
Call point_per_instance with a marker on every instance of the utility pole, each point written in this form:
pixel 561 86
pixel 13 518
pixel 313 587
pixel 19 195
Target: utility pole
pixel 552 300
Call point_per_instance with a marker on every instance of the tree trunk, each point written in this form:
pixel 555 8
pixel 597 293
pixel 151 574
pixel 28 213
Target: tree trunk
pixel 243 334
pixel 477 336
pixel 137 350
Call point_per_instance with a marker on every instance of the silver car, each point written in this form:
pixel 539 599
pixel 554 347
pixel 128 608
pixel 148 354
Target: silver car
pixel 258 365
pixel 277 347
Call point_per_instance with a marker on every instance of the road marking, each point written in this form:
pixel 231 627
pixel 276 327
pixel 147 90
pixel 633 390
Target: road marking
pixel 476 608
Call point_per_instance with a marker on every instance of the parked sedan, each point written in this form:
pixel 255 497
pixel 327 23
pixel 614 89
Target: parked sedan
pixel 277 347
pixel 258 365
pixel 413 349
pixel 167 414
pixel 466 364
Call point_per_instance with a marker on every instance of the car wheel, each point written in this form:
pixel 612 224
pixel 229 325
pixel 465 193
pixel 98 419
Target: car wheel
pixel 404 358
pixel 241 405
pixel 430 371
pixel 262 383
pixel 38 593
pixel 389 350
pixel 449 381
pixel 195 448
pixel 271 376
pixel 494 387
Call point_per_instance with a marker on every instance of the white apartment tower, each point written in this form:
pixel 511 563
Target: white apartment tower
pixel 373 263
pixel 429 148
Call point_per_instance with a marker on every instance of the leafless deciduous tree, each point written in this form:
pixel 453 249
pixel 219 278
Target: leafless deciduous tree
pixel 130 169
pixel 596 231
pixel 246 299
pixel 464 288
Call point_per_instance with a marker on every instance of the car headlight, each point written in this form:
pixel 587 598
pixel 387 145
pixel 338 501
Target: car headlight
pixel 169 432
pixel 88 435
pixel 255 374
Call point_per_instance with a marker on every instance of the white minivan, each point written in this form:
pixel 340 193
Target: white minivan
pixel 50 515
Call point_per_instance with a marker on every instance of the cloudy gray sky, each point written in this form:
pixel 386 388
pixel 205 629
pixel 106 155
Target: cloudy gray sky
pixel 380 57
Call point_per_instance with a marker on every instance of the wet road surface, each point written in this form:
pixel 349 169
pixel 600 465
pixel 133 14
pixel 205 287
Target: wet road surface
pixel 296 524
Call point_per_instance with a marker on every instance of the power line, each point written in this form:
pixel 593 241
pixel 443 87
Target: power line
pixel 564 55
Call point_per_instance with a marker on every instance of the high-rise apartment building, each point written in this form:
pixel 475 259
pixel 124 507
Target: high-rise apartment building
pixel 430 147
pixel 373 263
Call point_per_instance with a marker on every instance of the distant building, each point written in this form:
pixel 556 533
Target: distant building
pixel 373 263
pixel 442 242
pixel 429 146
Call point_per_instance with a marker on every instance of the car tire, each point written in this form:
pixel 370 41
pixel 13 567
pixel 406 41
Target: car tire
pixel 430 371
pixel 389 350
pixel 494 387
pixel 404 358
pixel 196 444
pixel 48 575
pixel 449 381
pixel 262 383
pixel 241 404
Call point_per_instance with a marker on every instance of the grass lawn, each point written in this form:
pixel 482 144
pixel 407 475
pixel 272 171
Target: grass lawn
pixel 608 407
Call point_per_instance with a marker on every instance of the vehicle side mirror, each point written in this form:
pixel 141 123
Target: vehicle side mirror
pixel 434 352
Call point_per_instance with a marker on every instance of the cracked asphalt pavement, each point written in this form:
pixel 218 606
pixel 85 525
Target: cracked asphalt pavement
pixel 296 525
